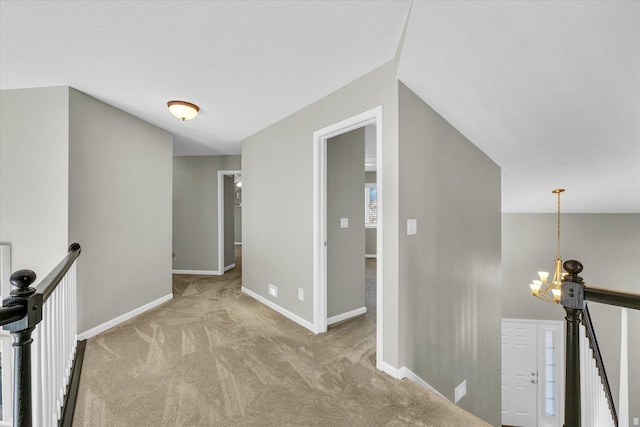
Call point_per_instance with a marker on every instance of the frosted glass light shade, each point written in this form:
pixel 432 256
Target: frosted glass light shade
pixel 183 110
pixel 543 276
pixel 535 288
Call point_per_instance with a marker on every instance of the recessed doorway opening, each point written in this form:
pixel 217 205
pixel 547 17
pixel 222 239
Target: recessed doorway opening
pixel 320 140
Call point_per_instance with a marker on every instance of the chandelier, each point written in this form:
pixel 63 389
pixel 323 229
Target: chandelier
pixel 550 290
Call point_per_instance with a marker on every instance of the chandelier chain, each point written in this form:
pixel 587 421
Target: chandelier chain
pixel 558 254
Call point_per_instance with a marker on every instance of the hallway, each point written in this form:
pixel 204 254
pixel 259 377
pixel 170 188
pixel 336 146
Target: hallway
pixel 214 356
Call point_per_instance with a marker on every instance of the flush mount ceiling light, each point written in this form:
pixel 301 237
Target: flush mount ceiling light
pixel 183 110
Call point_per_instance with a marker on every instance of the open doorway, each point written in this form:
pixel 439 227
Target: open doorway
pixel 229 191
pixel 321 137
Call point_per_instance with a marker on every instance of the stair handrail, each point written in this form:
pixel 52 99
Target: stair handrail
pixel 20 314
pixel 595 348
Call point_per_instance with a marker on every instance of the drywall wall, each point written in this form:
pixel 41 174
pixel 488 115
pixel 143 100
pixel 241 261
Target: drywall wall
pixel 608 245
pixel 278 225
pixel 120 171
pixel 195 210
pixel 34 169
pixel 345 245
pixel 229 220
pixel 450 270
pixel 370 233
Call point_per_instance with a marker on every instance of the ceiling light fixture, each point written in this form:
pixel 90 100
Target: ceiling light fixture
pixel 551 290
pixel 183 110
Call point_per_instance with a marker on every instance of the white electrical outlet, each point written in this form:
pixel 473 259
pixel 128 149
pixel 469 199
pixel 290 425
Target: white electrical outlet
pixel 300 294
pixel 460 391
pixel 273 290
pixel 344 222
pixel 636 421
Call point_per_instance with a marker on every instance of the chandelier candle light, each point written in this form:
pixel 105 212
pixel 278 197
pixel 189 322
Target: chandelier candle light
pixel 550 291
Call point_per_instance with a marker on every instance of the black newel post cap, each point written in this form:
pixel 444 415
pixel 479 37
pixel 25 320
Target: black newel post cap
pixel 22 278
pixel 572 267
pixel 74 247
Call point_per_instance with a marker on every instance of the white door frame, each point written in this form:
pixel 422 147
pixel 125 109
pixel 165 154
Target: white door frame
pixel 221 175
pixel 320 137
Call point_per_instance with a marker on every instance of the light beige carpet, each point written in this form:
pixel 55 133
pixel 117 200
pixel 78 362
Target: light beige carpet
pixel 215 357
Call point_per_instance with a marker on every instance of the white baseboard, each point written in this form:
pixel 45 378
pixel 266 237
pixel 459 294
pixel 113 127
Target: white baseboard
pixel 405 372
pixel 230 266
pixel 348 315
pixel 237 243
pixel 115 322
pixel 385 367
pixel 198 272
pixel 286 313
pixel 370 255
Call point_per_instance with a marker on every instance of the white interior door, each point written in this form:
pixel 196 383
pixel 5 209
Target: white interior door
pixel 519 374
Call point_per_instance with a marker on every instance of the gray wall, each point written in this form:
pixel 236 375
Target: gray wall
pixel 345 246
pixel 609 247
pixel 370 234
pixel 195 210
pixel 229 220
pixel 278 225
pixel 34 173
pixel 450 271
pixel 119 209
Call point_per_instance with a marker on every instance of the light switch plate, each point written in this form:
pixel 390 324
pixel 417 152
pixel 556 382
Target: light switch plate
pixel 300 294
pixel 412 227
pixel 344 222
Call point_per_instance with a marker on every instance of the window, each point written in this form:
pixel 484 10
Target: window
pixel 550 373
pixel 370 205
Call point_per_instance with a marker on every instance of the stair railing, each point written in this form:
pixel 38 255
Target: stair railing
pixel 53 305
pixel 596 388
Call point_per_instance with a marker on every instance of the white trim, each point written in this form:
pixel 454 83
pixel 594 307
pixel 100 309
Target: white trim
pixel 222 173
pixel 286 313
pixel 320 221
pixel 405 372
pixel 118 320
pixel 198 272
pixel 7 378
pixel 370 256
pixel 229 267
pixel 237 243
pixel 385 367
pixel 536 321
pixel 348 315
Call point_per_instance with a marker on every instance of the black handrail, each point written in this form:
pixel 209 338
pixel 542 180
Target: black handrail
pixel 20 314
pixel 53 279
pixel 11 313
pixel 593 341
pixel 607 296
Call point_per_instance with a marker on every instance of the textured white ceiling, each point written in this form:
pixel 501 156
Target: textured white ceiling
pixel 549 90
